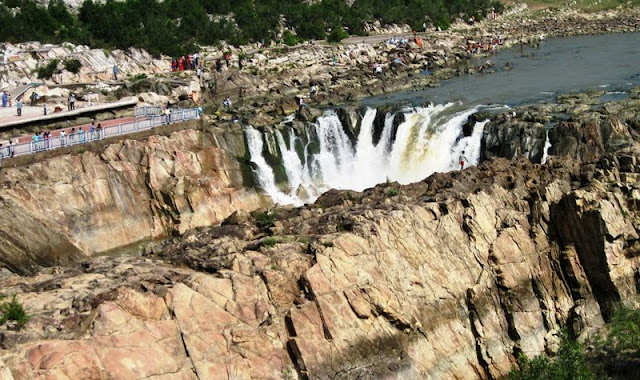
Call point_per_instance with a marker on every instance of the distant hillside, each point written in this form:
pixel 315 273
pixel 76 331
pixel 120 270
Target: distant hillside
pixel 174 27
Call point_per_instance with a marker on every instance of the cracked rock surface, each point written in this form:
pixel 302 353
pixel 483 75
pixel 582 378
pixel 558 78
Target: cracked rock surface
pixel 452 278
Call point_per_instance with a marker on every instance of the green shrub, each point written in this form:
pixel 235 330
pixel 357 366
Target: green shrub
pixel 337 35
pixel 47 71
pixel 623 331
pixel 72 65
pixel 269 242
pixel 13 311
pixel 265 219
pixel 392 192
pixel 289 38
pixel 571 363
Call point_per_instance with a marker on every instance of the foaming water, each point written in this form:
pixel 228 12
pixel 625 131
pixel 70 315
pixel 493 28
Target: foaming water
pixel 430 139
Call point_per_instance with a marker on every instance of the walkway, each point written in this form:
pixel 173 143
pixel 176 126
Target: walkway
pixel 149 117
pixel 9 116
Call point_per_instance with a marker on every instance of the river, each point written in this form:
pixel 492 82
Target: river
pixel 429 136
pixel 608 62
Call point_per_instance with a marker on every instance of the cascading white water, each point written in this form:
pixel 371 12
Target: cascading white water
pixel 429 140
pixel 547 146
pixel 263 171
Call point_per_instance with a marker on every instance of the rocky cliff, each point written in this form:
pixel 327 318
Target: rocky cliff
pixel 61 209
pixel 450 278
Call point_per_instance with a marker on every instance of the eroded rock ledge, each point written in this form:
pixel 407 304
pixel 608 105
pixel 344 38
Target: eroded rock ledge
pixel 451 278
pixel 61 209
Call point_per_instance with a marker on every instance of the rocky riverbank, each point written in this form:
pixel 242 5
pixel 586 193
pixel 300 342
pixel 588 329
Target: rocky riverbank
pixel 265 88
pixel 88 200
pixel 448 277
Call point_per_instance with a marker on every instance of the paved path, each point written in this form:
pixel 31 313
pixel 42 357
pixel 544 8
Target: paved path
pixel 24 138
pixel 9 116
pixel 85 127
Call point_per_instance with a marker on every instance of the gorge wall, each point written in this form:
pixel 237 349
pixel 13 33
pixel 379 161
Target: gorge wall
pixel 60 209
pixel 451 278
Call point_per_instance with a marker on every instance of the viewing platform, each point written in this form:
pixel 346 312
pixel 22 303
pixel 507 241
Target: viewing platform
pixel 35 115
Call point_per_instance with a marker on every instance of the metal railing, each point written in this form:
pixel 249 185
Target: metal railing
pixel 148 111
pixel 81 137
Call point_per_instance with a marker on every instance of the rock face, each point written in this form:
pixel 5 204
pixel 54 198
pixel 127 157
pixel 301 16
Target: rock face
pixel 578 126
pixel 58 210
pixel 452 278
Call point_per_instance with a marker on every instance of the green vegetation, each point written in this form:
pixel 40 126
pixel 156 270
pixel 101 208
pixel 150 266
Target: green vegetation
pixel 72 65
pixel 337 35
pixel 571 363
pixel 289 38
pixel 622 332
pixel 47 71
pixel 585 5
pixel 618 342
pixel 13 311
pixel 392 192
pixel 176 27
pixel 269 242
pixel 265 219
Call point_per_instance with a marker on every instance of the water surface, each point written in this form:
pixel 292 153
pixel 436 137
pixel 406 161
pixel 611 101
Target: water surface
pixel 558 65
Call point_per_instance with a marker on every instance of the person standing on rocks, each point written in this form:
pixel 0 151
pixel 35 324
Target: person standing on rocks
pixel 72 102
pixel 116 70
pixel 462 160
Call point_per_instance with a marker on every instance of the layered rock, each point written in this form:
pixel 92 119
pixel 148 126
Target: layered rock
pixel 579 126
pixel 60 209
pixel 452 278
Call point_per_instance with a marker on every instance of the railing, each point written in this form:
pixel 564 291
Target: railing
pixel 148 111
pixel 176 116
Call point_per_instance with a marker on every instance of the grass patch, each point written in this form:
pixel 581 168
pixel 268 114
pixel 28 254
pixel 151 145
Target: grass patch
pixel 13 311
pixel 392 192
pixel 583 5
pixel 269 242
pixel 265 219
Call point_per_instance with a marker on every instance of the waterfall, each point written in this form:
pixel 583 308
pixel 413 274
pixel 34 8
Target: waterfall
pixel 547 145
pixel 263 171
pixel 430 139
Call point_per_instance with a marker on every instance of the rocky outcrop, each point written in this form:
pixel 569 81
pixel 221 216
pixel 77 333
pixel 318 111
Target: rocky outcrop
pixel 579 126
pixel 60 209
pixel 451 278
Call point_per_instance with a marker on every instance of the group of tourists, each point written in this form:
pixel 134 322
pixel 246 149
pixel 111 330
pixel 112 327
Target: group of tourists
pixel 6 151
pixel 6 99
pixel 42 140
pixel 398 41
pixel 190 62
pixel 488 46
